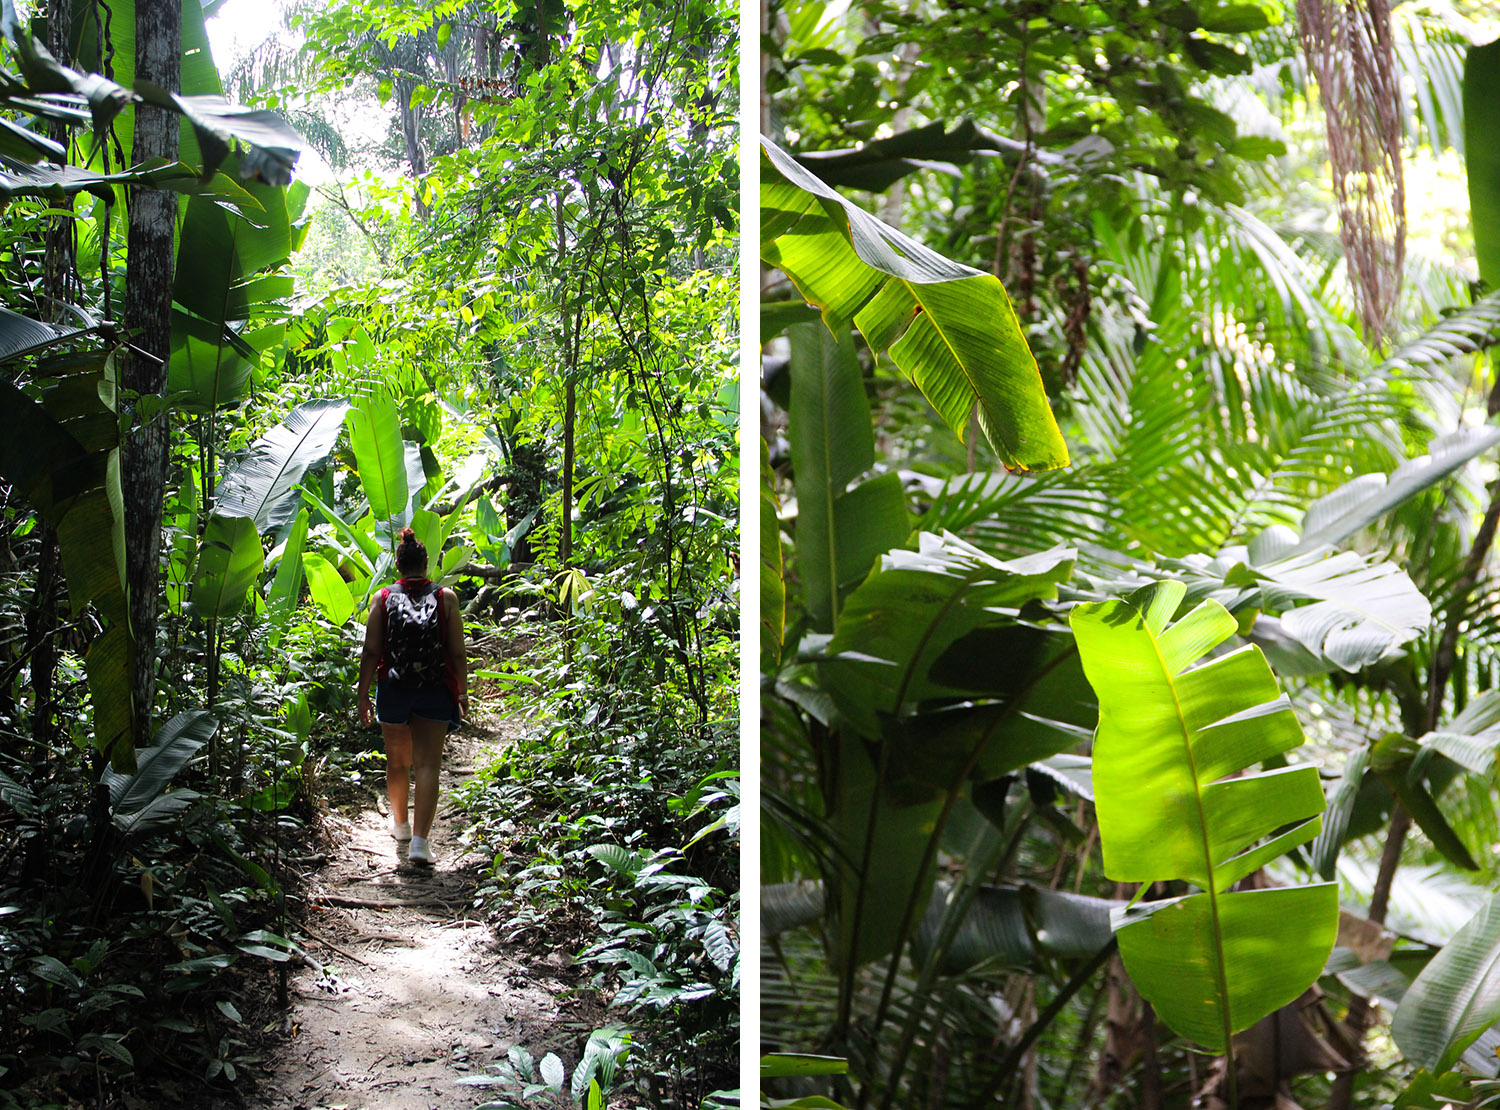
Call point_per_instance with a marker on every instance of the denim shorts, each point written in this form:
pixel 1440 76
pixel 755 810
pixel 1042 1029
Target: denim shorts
pixel 395 706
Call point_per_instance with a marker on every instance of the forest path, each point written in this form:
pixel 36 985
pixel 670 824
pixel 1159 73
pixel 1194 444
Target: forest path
pixel 406 993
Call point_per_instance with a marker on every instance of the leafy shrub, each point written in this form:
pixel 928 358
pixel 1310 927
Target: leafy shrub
pixel 614 821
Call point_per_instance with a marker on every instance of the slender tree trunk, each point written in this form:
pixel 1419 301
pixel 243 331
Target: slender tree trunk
pixel 565 548
pixel 41 628
pixel 59 282
pixel 148 318
pixel 60 286
pixel 570 368
pixel 411 122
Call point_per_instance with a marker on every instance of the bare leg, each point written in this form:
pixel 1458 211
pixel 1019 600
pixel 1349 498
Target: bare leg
pixel 398 755
pixel 427 757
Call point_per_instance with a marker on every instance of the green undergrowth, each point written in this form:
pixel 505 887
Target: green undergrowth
pixel 128 961
pixel 611 819
pixel 146 934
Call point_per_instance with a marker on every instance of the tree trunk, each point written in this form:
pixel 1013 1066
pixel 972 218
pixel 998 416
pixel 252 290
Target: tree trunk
pixel 60 284
pixel 41 628
pixel 565 547
pixel 571 328
pixel 148 318
pixel 411 122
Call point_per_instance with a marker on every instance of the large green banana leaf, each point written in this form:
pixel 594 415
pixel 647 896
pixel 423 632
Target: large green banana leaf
pixel 1016 926
pixel 1470 739
pixel 895 643
pixel 1415 772
pixel 180 514
pixel 1005 926
pixel 416 482
pixel 286 587
pixel 209 123
pixel 224 300
pixel 1170 737
pixel 950 329
pixel 21 335
pixel 901 633
pixel 841 526
pixel 329 590
pixel 1455 998
pixel 367 545
pixel 61 452
pixel 263 484
pixel 787 906
pixel 883 818
pixel 138 800
pixel 1482 155
pixel 878 164
pixel 375 438
pixel 1359 611
pixel 230 560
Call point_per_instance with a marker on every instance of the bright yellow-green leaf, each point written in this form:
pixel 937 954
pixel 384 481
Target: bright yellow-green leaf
pixel 951 329
pixel 1177 799
pixel 329 590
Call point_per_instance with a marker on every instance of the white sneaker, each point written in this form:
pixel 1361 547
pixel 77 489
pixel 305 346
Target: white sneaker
pixel 420 854
pixel 401 833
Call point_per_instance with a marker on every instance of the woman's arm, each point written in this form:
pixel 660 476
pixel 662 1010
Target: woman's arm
pixel 369 658
pixel 458 662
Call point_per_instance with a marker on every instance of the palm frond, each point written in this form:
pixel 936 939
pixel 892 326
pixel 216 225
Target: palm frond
pixel 1430 42
pixel 1465 331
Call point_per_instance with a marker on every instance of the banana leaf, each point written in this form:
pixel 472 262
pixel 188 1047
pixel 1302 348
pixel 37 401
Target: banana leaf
pixel 329 590
pixel 1017 926
pixel 1170 737
pixel 886 819
pixel 263 484
pixel 1455 998
pixel 1482 155
pixel 366 544
pixel 61 453
pixel 1471 737
pixel 135 799
pixel 286 587
pixel 841 526
pixel 379 456
pixel 787 906
pixel 21 335
pixel 230 560
pixel 950 329
pixel 1332 519
pixel 223 295
pixel 1360 612
pixel 904 619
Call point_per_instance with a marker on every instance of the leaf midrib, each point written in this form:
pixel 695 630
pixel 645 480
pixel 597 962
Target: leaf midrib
pixel 1221 972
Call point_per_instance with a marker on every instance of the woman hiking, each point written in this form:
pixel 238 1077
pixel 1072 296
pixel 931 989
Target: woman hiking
pixel 414 651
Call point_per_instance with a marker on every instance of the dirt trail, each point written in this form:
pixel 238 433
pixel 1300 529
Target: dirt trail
pixel 412 993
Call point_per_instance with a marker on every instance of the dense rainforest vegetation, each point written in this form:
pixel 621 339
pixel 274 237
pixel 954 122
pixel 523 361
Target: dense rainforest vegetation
pixel 1130 684
pixel 503 314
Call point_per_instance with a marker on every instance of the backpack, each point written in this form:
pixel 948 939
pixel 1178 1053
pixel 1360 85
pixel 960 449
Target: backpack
pixel 414 649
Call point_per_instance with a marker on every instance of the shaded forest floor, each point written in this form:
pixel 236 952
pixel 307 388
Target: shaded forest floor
pixel 404 992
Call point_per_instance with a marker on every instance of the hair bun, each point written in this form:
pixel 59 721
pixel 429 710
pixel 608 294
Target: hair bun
pixel 407 535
